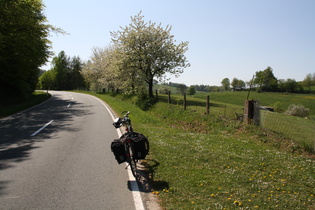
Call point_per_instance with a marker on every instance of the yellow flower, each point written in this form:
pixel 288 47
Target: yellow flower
pixel 212 195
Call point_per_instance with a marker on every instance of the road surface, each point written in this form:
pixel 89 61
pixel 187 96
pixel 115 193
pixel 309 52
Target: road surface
pixel 57 156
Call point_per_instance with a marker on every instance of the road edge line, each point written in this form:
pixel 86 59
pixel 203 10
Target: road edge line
pixel 133 183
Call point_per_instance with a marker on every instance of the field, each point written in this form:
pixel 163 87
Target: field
pixel 200 161
pixel 227 104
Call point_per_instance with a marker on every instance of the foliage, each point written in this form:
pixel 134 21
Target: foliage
pixel 297 110
pixel 278 107
pixel 64 75
pixel 309 81
pixel 226 84
pixel 191 90
pixel 146 51
pixel 265 80
pixel 182 88
pixel 237 84
pixel 144 102
pixel 24 47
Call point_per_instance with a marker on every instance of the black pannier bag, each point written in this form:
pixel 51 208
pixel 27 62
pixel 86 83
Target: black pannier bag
pixel 141 145
pixel 119 151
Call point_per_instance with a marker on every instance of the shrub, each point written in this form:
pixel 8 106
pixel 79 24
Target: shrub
pixel 278 107
pixel 144 102
pixel 297 110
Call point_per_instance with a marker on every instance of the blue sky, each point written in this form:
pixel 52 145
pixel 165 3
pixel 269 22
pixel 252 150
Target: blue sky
pixel 227 38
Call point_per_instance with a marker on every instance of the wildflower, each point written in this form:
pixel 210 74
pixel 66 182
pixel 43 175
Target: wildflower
pixel 212 195
pixel 192 202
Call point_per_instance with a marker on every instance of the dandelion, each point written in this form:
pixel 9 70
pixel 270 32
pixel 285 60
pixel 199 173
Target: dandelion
pixel 192 202
pixel 237 203
pixel 212 195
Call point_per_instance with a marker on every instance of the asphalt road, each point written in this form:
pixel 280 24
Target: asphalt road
pixel 57 156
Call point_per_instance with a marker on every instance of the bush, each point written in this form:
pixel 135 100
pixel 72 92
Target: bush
pixel 278 107
pixel 297 110
pixel 144 102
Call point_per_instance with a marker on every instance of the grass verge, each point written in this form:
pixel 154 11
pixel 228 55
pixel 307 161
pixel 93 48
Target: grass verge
pixel 37 98
pixel 204 162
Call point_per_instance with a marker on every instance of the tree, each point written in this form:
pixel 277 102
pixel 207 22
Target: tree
pixel 234 83
pixel 24 47
pixel 266 80
pixel 182 88
pixel 64 75
pixel 103 70
pixel 241 84
pixel 47 80
pixel 147 51
pixel 61 68
pixel 308 81
pixel 226 84
pixel 191 90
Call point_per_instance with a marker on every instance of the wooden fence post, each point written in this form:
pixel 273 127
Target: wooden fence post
pixel 169 97
pixel 184 101
pixel 207 104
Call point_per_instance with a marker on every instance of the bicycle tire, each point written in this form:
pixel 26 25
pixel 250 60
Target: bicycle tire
pixel 133 163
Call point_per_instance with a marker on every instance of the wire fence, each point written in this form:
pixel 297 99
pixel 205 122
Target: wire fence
pixel 300 130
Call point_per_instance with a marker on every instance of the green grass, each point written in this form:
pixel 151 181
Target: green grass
pixel 265 99
pixel 226 104
pixel 202 161
pixel 36 98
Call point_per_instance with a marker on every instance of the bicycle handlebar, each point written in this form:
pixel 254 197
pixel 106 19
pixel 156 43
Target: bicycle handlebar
pixel 121 121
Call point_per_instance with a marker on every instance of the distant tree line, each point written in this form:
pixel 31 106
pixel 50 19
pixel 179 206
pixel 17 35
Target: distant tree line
pixel 266 81
pixel 65 74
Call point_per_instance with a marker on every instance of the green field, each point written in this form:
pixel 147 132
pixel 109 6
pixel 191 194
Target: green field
pixel 227 104
pixel 200 161
pixel 265 99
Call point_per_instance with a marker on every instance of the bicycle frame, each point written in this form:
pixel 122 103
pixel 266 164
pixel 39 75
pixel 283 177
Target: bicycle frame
pixel 128 143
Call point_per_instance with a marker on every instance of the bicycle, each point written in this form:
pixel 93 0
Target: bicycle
pixel 131 146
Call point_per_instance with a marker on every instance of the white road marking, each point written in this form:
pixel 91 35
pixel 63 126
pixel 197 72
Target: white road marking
pixel 134 185
pixel 39 130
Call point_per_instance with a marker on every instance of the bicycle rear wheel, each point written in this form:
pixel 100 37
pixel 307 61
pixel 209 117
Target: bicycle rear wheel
pixel 133 164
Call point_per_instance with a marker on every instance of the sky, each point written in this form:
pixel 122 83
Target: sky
pixel 227 38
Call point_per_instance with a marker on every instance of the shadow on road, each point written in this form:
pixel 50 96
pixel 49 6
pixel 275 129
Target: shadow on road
pixel 148 184
pixel 16 141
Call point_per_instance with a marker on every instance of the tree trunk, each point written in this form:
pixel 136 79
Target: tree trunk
pixel 150 83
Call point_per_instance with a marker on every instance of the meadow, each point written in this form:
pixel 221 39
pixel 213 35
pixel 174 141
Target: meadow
pixel 226 104
pixel 200 161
